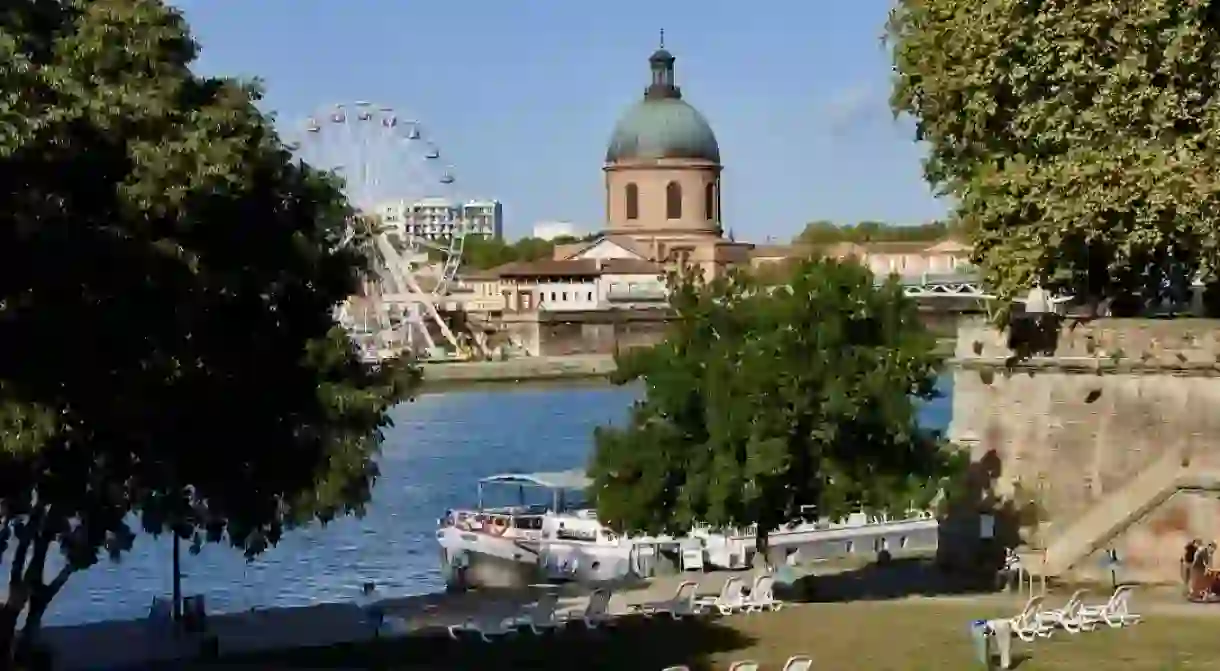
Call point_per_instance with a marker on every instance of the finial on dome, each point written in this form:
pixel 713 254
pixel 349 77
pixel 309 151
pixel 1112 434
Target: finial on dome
pixel 663 85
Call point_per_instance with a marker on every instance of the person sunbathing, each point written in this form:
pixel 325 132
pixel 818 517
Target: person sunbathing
pixel 1202 581
pixel 1188 558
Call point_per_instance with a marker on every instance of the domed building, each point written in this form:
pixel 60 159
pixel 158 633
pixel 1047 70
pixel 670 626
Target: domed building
pixel 662 177
pixel 663 184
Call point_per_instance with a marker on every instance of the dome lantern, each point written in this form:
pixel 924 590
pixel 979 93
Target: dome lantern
pixel 662 125
pixel 662 65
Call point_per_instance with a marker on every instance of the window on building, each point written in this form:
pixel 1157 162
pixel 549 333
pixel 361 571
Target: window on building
pixel 673 201
pixel 552 295
pixel 632 192
pixel 590 296
pixel 565 295
pixel 709 201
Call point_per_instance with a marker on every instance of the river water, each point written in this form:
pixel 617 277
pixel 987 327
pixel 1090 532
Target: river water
pixel 440 446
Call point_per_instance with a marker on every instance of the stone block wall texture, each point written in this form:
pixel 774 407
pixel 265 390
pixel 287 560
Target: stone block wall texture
pixel 1069 428
pixel 599 333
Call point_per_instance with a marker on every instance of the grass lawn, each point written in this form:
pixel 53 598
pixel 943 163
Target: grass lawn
pixel 862 636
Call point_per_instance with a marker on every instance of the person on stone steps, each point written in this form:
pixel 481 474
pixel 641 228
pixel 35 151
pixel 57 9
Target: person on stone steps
pixel 1188 559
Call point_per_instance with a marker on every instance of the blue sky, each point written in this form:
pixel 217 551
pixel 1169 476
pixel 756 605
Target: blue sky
pixel 521 95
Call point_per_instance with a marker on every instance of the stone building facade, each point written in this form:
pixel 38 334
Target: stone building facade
pixel 1108 442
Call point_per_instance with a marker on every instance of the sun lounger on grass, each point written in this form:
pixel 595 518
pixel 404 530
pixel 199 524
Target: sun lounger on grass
pixel 540 616
pixel 596 611
pixel 682 603
pixel 488 627
pixel 1115 613
pixel 731 598
pixel 761 596
pixel 744 665
pixel 1067 617
pixel 1027 625
pixel 799 663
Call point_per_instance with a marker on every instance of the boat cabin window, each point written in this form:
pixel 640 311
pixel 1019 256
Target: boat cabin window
pixel 534 523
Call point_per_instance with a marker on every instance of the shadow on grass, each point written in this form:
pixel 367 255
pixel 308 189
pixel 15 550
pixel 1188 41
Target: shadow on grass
pixel 895 579
pixel 965 563
pixel 648 644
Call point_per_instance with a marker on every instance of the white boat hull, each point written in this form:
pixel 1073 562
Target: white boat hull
pixel 809 544
pixel 477 560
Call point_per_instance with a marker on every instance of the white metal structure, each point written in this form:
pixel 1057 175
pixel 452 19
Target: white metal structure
pixel 381 154
pixel 561 539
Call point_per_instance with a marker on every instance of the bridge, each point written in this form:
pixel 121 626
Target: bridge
pixel 943 285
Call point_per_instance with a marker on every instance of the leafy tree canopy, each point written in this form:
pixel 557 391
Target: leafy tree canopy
pixel 483 253
pixel 1077 138
pixel 763 400
pixel 167 279
pixel 824 232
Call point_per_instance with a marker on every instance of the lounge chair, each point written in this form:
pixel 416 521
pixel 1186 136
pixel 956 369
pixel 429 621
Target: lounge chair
pixel 1067 617
pixel 596 612
pixel 681 667
pixel 744 665
pixel 487 626
pixel 799 663
pixel 540 616
pixel 761 596
pixel 730 599
pixel 1115 613
pixel 1027 625
pixel 682 603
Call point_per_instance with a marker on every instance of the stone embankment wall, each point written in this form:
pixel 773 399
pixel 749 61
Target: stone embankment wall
pixel 523 369
pixel 579 333
pixel 1108 443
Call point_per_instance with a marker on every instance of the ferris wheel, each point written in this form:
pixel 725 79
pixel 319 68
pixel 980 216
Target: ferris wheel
pixel 409 221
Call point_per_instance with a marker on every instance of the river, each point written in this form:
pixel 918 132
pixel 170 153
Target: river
pixel 440 445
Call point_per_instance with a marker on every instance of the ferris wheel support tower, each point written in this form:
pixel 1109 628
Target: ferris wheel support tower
pixel 386 158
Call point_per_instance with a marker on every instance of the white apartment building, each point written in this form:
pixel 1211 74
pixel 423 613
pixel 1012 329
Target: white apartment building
pixel 437 219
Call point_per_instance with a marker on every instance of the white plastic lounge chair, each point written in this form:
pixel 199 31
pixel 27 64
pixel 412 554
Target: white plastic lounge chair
pixel 676 668
pixel 682 603
pixel 799 663
pixel 1067 617
pixel 486 626
pixel 1116 612
pixel 596 612
pixel 730 599
pixel 539 616
pixel 744 665
pixel 1027 625
pixel 761 597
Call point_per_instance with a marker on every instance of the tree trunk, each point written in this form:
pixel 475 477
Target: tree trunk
pixel 762 546
pixel 9 613
pixel 40 598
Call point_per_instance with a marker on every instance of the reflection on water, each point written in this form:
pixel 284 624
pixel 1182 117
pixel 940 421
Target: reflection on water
pixel 440 446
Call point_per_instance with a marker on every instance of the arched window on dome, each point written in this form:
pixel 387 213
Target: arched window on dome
pixel 709 200
pixel 632 192
pixel 673 201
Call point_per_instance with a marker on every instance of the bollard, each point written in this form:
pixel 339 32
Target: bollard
pixel 1001 633
pixel 982 642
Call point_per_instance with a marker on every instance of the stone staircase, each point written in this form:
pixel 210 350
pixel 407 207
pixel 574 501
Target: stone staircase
pixel 1113 513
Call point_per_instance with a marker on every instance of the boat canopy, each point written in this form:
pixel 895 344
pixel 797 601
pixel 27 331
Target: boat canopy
pixel 555 480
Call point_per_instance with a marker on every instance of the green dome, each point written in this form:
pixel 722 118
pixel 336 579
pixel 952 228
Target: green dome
pixel 663 127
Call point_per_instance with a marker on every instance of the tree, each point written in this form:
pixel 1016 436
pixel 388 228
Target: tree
pixel 168 275
pixel 484 253
pixel 824 232
pixel 1077 139
pixel 763 400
